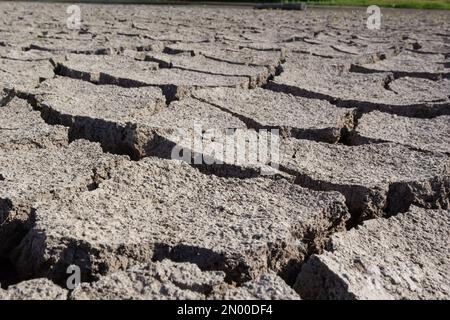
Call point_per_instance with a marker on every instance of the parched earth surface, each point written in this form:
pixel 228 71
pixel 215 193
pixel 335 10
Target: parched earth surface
pixel 355 205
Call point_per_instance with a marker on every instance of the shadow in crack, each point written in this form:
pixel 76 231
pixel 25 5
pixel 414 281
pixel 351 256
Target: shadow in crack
pixel 205 259
pixel 202 257
pixel 8 274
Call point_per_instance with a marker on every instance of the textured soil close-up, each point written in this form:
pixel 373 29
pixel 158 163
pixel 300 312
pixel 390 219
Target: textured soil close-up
pixel 117 175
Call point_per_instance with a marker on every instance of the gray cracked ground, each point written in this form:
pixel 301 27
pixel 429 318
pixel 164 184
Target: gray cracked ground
pixel 21 127
pixel 147 210
pixel 128 72
pixel 169 280
pixel 37 289
pixel 104 114
pixel 422 134
pixel 377 179
pixel 24 75
pixel 295 116
pixel 407 64
pixel 29 176
pixel 405 257
pixel 334 81
pixel 357 206
pixel 257 75
pixel 156 280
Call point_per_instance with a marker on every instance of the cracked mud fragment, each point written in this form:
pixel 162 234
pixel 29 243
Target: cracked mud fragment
pixel 22 128
pixel 294 116
pixel 170 280
pixel 156 280
pixel 62 46
pixel 429 47
pixel 19 55
pixel 406 64
pixel 226 52
pixel 340 51
pixel 403 257
pixel 310 77
pixel 424 134
pixel 319 50
pixel 148 128
pixel 24 75
pixel 37 289
pixel 424 90
pixel 376 179
pixel 257 75
pixel 148 210
pixel 266 287
pixel 169 31
pixel 107 114
pixel 133 121
pixel 109 102
pixel 57 44
pixel 33 176
pixel 127 72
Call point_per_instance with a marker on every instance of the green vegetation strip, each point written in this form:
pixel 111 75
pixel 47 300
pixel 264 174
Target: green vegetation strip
pixel 416 4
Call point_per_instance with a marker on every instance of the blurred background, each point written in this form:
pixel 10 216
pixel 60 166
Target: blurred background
pixel 417 4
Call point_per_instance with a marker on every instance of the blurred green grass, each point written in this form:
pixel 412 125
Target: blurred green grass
pixel 416 4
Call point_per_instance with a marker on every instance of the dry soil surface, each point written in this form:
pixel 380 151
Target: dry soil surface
pixel 353 205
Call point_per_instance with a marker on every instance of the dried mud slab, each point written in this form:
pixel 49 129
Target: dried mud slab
pixel 170 280
pixel 123 41
pixel 230 53
pixel 349 51
pixel 106 42
pixel 31 176
pixel 311 77
pixel 133 121
pixel 424 89
pixel 189 111
pixel 407 65
pixel 376 179
pixel 37 289
pixel 20 55
pixel 24 75
pixel 293 116
pixel 148 210
pixel 257 75
pixel 68 45
pixel 153 281
pixel 268 286
pixel 107 114
pixel 108 102
pixel 148 128
pixel 321 50
pixel 172 31
pixel 22 128
pixel 429 47
pixel 424 134
pixel 127 72
pixel 403 257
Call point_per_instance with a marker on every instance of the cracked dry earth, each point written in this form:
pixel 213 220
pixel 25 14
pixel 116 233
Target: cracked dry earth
pixel 359 206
